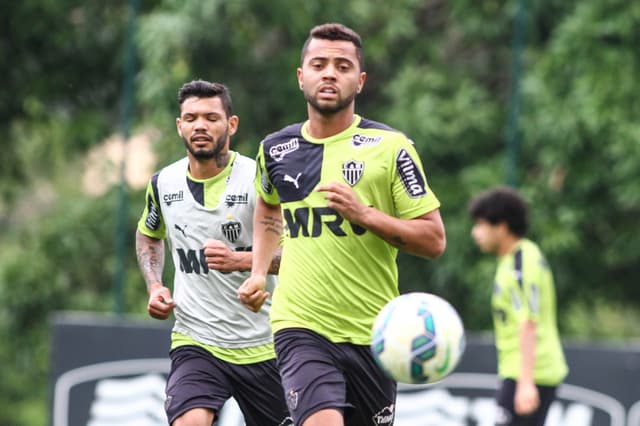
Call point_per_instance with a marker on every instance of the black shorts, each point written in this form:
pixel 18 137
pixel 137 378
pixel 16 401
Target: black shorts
pixel 318 374
pixel 200 380
pixel 506 414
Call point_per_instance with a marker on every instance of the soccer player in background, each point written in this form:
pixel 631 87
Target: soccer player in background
pixel 352 193
pixel 203 205
pixel 531 361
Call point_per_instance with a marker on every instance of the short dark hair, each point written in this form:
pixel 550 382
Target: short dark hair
pixel 334 31
pixel 501 204
pixel 206 89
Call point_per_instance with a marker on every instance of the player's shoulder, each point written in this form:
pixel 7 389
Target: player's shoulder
pixel 369 131
pixel 285 134
pixel 243 160
pixel 529 248
pixel 180 165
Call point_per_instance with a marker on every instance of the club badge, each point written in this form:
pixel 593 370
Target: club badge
pixel 352 171
pixel 231 230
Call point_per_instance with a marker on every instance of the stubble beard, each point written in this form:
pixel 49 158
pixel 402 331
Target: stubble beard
pixel 329 109
pixel 204 154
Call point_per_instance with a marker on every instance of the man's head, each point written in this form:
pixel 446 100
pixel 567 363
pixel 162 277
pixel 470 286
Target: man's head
pixel 500 215
pixel 334 32
pixel 330 74
pixel 206 119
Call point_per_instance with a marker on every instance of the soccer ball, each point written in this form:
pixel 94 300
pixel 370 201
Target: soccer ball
pixel 418 338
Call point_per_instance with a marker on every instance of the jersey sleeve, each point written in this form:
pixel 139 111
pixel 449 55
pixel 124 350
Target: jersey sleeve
pixel 534 277
pixel 411 192
pixel 263 185
pixel 528 273
pixel 151 222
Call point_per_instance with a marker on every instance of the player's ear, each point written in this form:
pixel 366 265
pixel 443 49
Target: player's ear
pixel 299 75
pixel 234 121
pixel 361 80
pixel 178 127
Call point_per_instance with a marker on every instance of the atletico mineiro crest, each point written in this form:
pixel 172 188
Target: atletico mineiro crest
pixel 231 230
pixel 352 171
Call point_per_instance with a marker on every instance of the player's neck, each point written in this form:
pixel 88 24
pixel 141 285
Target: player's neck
pixel 508 243
pixel 208 168
pixel 323 126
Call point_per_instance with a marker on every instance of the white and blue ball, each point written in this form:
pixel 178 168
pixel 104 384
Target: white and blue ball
pixel 418 338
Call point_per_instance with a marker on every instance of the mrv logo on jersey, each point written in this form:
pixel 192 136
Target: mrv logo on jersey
pixel 311 221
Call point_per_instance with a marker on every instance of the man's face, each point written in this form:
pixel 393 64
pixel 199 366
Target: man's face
pixel 204 127
pixel 330 76
pixel 487 236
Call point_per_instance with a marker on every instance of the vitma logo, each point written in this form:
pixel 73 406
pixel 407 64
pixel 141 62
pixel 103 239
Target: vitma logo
pixel 410 175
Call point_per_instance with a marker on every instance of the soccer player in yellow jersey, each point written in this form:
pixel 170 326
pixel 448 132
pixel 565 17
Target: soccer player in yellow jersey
pixel 352 192
pixel 531 362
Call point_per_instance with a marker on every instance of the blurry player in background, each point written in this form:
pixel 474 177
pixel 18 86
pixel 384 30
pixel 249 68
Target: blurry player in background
pixel 352 192
pixel 531 361
pixel 203 205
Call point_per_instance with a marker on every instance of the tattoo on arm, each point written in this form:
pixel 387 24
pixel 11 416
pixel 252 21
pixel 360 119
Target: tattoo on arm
pixel 151 260
pixel 274 268
pixel 272 224
pixel 397 241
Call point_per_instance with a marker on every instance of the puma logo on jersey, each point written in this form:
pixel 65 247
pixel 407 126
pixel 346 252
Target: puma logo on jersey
pixel 288 178
pixel 277 152
pixel 181 229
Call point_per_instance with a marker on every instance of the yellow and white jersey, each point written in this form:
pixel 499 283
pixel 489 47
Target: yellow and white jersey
pixel 188 212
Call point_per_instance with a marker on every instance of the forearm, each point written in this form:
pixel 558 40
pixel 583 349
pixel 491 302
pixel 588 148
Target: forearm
pixel 527 336
pixel 244 261
pixel 150 255
pixel 274 266
pixel 423 236
pixel 267 229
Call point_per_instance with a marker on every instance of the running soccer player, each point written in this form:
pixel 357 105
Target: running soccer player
pixel 531 362
pixel 352 193
pixel 203 205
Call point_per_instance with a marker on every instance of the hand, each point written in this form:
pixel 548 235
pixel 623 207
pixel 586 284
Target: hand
pixel 342 198
pixel 526 399
pixel 219 256
pixel 251 293
pixel 161 303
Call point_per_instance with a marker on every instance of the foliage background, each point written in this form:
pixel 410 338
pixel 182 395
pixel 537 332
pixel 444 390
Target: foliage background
pixel 439 70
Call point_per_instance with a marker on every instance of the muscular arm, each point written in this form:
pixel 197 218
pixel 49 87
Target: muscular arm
pixel 422 236
pixel 267 230
pixel 150 254
pixel 220 257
